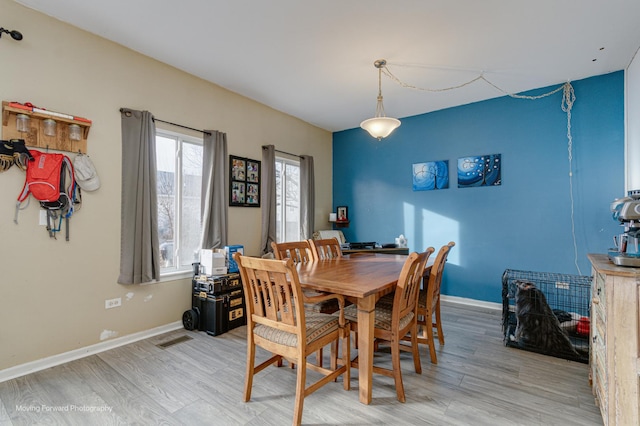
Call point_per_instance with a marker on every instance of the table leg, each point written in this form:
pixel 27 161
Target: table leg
pixel 366 316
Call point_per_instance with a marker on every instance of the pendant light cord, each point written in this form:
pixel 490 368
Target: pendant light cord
pixel 568 99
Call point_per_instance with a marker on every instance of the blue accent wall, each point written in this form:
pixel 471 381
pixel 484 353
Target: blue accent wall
pixel 526 222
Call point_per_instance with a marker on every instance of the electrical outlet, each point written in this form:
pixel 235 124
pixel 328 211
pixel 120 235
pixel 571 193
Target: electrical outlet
pixel 112 303
pixel 561 285
pixel 43 218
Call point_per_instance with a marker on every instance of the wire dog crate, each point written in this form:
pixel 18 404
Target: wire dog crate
pixel 547 313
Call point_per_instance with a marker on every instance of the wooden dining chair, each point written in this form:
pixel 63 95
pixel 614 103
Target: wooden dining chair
pixel 429 303
pixel 301 252
pixel 278 323
pixel 393 322
pixel 297 251
pixel 327 248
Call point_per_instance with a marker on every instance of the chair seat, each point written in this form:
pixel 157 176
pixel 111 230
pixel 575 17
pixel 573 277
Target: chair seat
pixel 318 325
pixel 387 300
pixel 383 316
pixel 326 307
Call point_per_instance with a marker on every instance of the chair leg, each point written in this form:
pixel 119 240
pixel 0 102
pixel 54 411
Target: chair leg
pixel 439 325
pixel 248 380
pixel 334 356
pixel 346 358
pixel 397 372
pixel 300 391
pixel 319 357
pixel 414 349
pixel 431 342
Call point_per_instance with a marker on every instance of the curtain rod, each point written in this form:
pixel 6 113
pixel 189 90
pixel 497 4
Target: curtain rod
pixel 288 153
pixel 175 124
pixel 184 127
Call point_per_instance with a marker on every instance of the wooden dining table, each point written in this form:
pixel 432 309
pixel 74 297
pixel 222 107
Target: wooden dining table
pixel 362 278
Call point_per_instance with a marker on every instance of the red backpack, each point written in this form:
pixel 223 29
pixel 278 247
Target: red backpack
pixel 50 179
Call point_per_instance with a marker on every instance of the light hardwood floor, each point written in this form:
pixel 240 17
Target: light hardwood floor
pixel 478 381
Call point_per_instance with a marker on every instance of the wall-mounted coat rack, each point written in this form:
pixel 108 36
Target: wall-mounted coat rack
pixel 69 132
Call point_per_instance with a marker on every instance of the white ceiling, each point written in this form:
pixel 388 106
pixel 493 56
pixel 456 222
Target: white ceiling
pixel 314 59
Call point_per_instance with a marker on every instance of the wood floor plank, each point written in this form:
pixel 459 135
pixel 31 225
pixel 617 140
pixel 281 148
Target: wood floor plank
pixel 4 416
pixel 200 381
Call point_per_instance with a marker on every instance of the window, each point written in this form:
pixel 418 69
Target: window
pixel 287 200
pixel 179 221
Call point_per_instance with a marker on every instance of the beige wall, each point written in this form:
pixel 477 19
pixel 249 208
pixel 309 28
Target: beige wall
pixel 52 293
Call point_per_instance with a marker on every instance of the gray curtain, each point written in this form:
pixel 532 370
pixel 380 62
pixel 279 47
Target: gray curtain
pixel 214 204
pixel 139 246
pixel 268 198
pixel 307 196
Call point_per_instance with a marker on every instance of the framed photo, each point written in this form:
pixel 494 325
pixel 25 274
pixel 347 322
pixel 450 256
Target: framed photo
pixel 244 182
pixel 343 214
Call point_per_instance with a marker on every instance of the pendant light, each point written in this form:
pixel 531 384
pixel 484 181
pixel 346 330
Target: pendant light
pixel 380 126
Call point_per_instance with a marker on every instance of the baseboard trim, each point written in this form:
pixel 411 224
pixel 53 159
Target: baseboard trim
pixel 52 361
pixel 471 302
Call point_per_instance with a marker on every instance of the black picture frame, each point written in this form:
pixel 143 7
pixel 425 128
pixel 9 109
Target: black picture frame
pixel 244 182
pixel 342 214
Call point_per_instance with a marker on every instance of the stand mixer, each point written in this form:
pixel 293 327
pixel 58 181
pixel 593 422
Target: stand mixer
pixel 627 211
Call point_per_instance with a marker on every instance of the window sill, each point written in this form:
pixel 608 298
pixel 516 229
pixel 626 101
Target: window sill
pixel 174 276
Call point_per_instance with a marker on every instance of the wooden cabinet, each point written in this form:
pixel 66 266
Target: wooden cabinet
pixel 615 354
pixel 36 137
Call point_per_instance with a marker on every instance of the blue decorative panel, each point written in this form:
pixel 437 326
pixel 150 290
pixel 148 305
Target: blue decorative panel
pixel 430 175
pixel 481 170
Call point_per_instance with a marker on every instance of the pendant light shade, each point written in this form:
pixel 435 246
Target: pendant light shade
pixel 380 126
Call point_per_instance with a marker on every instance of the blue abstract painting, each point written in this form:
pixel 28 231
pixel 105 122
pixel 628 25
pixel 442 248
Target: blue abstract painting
pixel 481 170
pixel 430 175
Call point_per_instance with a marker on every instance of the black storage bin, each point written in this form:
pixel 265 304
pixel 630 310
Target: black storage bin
pixel 217 304
pixel 219 313
pixel 547 313
pixel 210 313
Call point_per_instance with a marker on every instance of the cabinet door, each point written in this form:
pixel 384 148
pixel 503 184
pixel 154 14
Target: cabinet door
pixel 598 357
pixel 622 349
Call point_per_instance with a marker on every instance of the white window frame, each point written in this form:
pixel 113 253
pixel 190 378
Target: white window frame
pixel 282 207
pixel 177 271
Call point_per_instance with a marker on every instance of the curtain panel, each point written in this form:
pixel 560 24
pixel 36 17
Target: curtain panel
pixel 214 203
pixel 139 245
pixel 268 198
pixel 307 196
